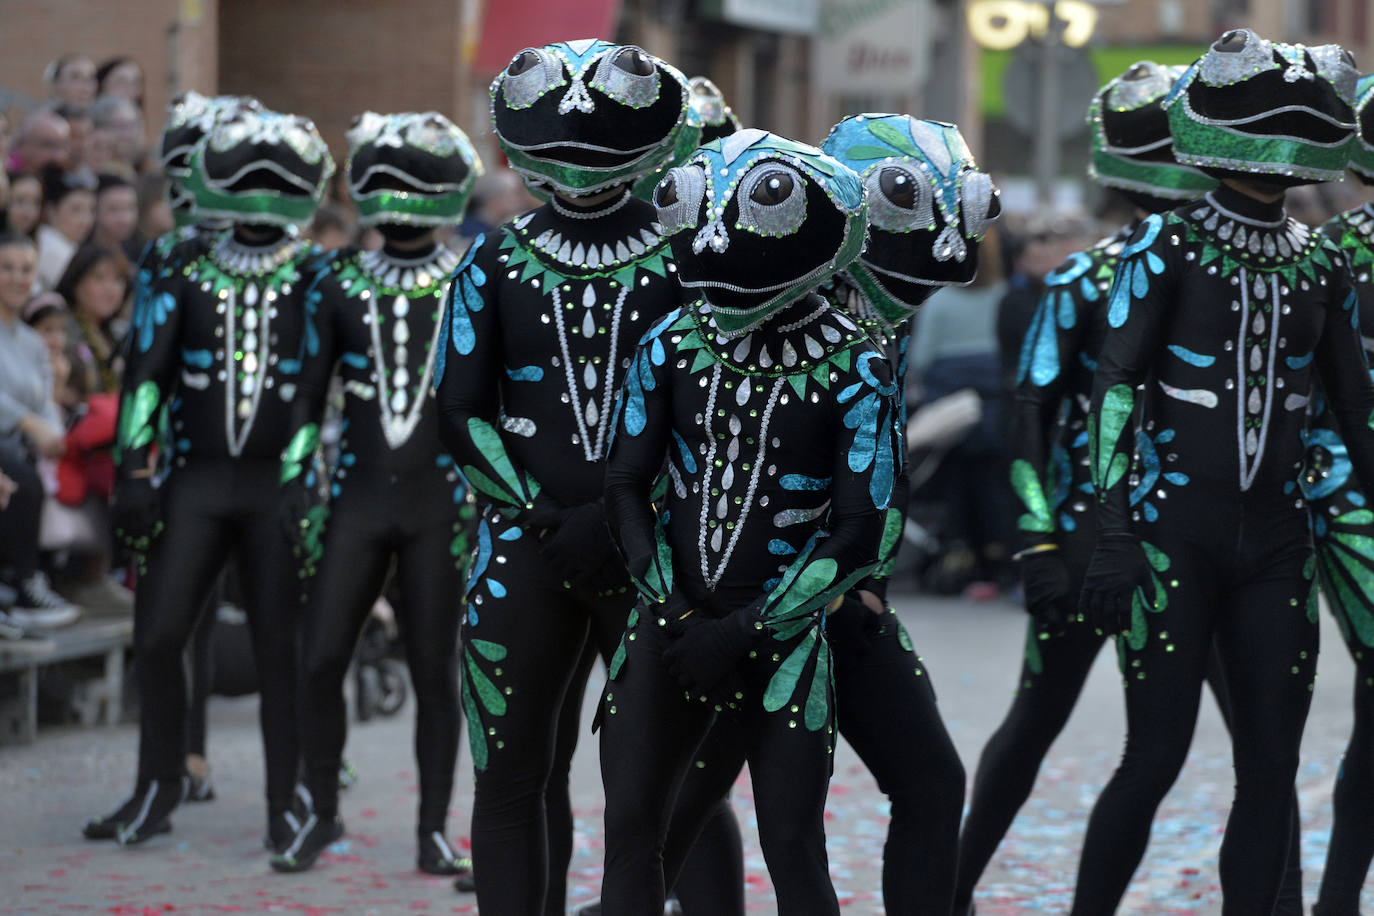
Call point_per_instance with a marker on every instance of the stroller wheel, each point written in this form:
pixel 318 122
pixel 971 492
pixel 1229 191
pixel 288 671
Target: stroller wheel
pixel 392 687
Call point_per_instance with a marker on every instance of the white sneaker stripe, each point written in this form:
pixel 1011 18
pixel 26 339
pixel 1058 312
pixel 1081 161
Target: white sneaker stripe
pixel 295 846
pixel 443 846
pixel 137 822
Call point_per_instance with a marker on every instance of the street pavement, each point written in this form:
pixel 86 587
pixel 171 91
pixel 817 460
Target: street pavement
pixel 213 861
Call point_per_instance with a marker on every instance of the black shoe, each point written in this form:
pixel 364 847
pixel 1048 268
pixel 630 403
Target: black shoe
pixel 283 826
pixel 200 790
pixel 153 812
pixel 107 826
pixel 314 837
pixel 438 858
pixel 466 882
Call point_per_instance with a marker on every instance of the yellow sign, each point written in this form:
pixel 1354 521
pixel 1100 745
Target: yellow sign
pixel 1003 24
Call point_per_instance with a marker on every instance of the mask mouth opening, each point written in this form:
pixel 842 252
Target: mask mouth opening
pixel 261 175
pixel 381 177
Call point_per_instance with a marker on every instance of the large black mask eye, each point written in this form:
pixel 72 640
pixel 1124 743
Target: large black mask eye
pixel 634 62
pixel 772 201
pixel 526 61
pixel 628 76
pixel 666 193
pixel 1232 42
pixel 772 189
pixel 900 198
pixel 898 187
pixel 678 198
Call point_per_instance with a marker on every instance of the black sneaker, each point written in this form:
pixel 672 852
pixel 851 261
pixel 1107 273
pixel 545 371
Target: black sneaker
pixel 200 790
pixel 106 827
pixel 37 606
pixel 466 882
pixel 155 805
pixel 438 858
pixel 314 837
pixel 283 826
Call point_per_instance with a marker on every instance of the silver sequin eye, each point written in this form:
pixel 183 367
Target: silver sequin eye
pixel 1337 66
pixel 772 200
pixel 980 203
pixel 629 76
pixel 530 75
pixel 366 127
pixel 900 198
pixel 300 135
pixel 231 132
pixel 1236 56
pixel 678 198
pixel 434 134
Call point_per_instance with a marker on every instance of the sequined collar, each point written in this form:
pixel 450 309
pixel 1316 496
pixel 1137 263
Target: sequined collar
pixel 795 341
pixel 569 248
pixel 1258 244
pixel 240 260
pixel 406 274
pixel 1361 221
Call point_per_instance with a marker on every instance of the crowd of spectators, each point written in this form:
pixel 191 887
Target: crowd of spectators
pixel 81 197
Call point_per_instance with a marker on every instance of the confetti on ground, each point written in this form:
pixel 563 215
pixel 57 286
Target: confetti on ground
pixel 214 863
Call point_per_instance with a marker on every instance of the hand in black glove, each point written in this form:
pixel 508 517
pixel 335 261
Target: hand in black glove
pixel 1116 570
pixel 294 513
pixel 543 517
pixel 705 650
pixel 136 513
pixel 1049 589
pixel 580 548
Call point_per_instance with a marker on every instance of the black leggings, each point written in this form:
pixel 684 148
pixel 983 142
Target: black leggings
pixel 20 519
pixel 653 735
pixel 527 652
pixel 885 709
pixel 1352 827
pixel 1249 590
pixel 211 510
pixel 201 665
pixel 1053 672
pixel 374 519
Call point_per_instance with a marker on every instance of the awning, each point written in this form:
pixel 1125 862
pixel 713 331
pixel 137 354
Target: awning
pixel 512 25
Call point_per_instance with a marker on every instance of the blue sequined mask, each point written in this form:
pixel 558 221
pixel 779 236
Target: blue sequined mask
pixel 929 205
pixel 739 214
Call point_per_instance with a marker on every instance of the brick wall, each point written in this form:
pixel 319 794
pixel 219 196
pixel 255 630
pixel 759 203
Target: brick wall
pixel 331 59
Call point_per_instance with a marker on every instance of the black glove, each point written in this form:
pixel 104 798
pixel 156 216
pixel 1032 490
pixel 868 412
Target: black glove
pixel 1049 589
pixel 543 517
pixel 704 650
pixel 580 548
pixel 1116 570
pixel 136 514
pixel 877 586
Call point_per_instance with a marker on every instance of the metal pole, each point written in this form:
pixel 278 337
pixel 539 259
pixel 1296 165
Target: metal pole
pixel 1046 155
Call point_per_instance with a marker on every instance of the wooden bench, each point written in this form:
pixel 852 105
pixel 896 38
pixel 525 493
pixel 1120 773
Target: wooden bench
pixel 106 637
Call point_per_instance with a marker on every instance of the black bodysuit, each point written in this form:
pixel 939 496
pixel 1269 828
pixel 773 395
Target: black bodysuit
pixel 394 496
pixel 216 337
pixel 541 325
pixel 781 448
pixel 1343 525
pixel 1226 312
